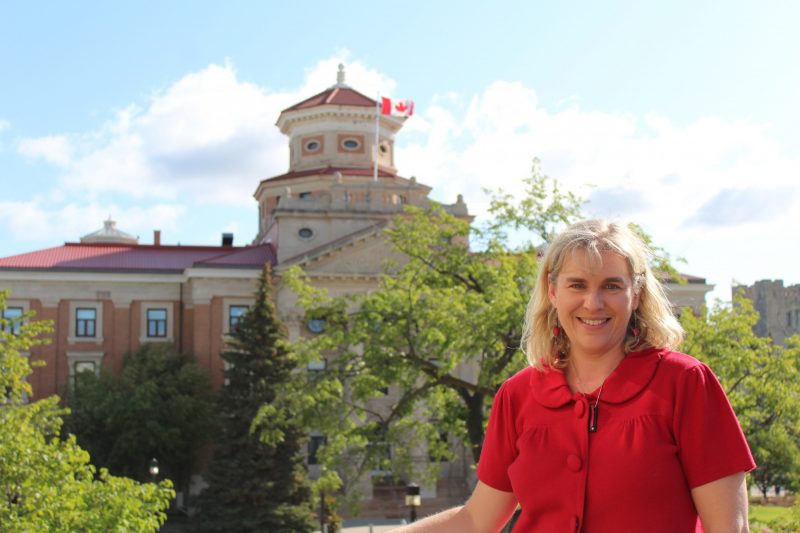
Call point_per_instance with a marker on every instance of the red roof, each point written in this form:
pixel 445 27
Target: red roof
pixel 131 258
pixel 335 96
pixel 333 170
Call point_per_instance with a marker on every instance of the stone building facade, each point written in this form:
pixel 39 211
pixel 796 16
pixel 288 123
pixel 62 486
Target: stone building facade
pixel 778 307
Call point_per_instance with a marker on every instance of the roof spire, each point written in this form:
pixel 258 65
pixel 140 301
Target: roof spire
pixel 340 76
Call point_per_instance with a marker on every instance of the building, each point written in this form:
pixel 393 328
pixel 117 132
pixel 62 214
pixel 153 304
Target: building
pixel 109 293
pixel 778 307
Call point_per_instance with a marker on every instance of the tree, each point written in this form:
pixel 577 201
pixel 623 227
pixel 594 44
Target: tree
pixel 47 483
pixel 441 333
pixel 257 484
pixel 762 381
pixel 160 406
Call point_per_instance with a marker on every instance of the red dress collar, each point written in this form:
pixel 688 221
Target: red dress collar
pixel 632 375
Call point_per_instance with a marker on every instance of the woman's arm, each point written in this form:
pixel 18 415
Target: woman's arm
pixel 722 504
pixel 486 511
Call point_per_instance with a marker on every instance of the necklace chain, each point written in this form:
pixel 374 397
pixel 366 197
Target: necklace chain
pixel 582 389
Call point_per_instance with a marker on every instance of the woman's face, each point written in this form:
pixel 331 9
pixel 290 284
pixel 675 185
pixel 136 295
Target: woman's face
pixel 594 303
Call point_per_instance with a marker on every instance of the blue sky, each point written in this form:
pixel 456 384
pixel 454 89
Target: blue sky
pixel 681 116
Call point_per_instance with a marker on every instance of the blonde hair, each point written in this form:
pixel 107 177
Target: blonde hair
pixel 658 326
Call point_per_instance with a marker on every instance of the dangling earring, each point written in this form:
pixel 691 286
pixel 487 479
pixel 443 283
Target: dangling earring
pixel 636 330
pixel 556 331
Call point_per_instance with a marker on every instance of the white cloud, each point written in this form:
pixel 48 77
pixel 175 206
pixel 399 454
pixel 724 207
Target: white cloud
pixel 642 167
pixel 365 80
pixel 210 137
pixel 55 149
pixel 33 221
pixel 707 190
pixel 4 125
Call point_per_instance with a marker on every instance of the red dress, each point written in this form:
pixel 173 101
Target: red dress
pixel 664 426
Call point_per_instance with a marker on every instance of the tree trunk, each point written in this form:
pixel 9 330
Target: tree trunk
pixel 475 424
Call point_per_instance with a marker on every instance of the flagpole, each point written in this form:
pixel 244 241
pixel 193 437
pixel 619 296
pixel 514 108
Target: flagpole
pixel 377 127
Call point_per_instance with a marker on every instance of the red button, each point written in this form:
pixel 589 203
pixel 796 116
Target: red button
pixel 574 462
pixel 580 409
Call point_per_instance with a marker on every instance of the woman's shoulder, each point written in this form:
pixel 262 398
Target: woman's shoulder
pixel 521 381
pixel 521 384
pixel 678 361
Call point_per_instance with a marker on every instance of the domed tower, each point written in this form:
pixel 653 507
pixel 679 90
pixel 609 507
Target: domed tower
pixel 331 191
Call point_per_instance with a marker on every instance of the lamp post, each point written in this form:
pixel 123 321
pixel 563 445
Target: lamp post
pixel 152 467
pixel 413 499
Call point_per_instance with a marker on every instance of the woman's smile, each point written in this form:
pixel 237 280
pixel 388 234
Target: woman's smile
pixel 594 301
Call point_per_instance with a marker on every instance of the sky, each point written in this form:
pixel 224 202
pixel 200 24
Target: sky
pixel 681 116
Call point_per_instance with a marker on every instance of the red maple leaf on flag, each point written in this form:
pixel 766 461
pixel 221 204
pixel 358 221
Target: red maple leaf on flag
pixel 401 106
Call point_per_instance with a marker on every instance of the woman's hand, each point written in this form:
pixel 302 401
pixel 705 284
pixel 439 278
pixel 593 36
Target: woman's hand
pixel 486 511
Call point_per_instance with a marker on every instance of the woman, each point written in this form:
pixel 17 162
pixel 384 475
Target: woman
pixel 608 430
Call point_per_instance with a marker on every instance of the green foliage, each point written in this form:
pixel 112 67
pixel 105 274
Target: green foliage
pixel 441 333
pixel 762 380
pixel 661 261
pixel 541 211
pixel 258 482
pixel 47 483
pixel 160 406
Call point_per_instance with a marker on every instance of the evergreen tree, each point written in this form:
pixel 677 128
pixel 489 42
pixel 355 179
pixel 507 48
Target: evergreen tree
pixel 257 480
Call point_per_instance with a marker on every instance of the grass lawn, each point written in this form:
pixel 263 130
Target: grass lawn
pixel 762 513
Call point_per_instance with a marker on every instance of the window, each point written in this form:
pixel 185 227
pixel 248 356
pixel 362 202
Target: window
pixel 235 314
pixel 84 366
pixel 316 325
pixel 380 452
pixel 85 322
pixel 318 366
pixel 304 195
pixel 233 311
pixel 350 144
pixel 13 316
pixel 312 145
pixel 315 442
pixel 305 233
pixel 80 362
pixel 157 323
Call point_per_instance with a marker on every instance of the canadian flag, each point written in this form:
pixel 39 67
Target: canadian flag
pixel 401 108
